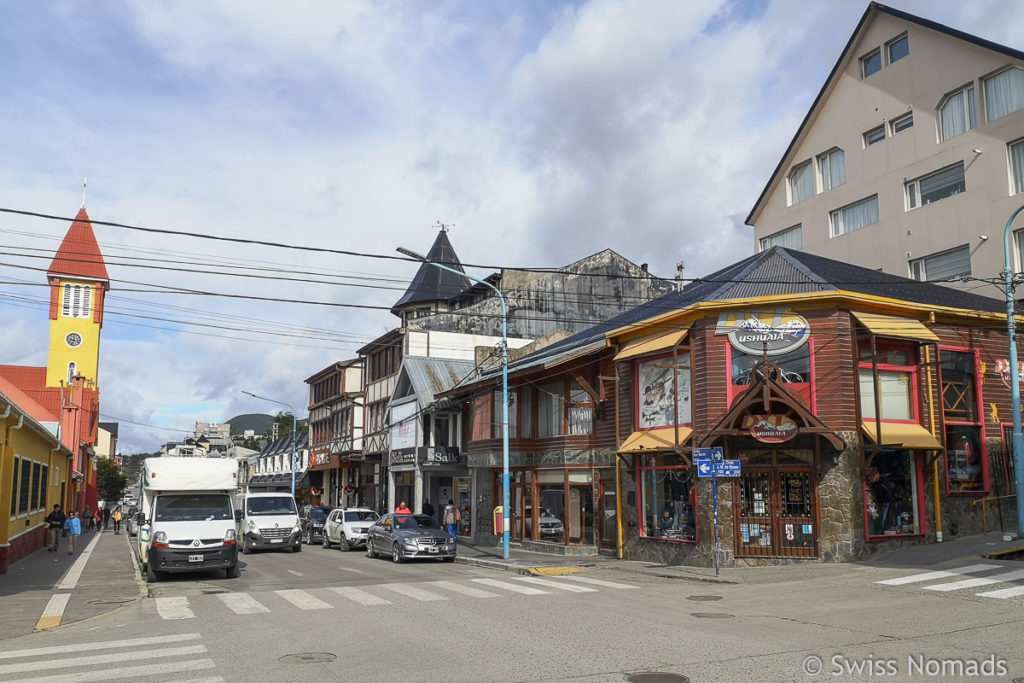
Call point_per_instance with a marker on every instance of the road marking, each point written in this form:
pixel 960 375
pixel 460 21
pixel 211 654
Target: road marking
pixel 292 571
pixel 1003 593
pixel 53 612
pixel 349 569
pixel 932 576
pixel 70 579
pixel 113 658
pixel 594 582
pixel 515 588
pixel 360 596
pixel 212 679
pixel 412 592
pixel 175 607
pixel 465 590
pixel 103 645
pixel 242 603
pixel 974 583
pixel 134 672
pixel 304 600
pixel 572 588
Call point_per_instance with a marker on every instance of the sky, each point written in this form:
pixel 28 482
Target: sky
pixel 540 131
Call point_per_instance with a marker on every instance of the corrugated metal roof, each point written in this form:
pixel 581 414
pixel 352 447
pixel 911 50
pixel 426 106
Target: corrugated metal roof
pixel 79 255
pixel 431 376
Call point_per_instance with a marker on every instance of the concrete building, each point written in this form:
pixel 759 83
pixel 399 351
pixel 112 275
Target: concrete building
pixel 336 435
pixel 911 158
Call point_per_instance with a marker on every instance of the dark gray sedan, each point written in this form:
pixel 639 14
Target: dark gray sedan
pixel 409 536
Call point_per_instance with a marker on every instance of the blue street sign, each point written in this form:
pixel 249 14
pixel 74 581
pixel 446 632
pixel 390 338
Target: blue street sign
pixel 709 453
pixel 721 468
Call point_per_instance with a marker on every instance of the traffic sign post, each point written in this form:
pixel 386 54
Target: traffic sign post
pixel 710 462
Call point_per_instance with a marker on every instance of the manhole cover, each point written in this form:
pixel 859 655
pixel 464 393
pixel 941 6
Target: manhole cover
pixel 308 658
pixel 655 677
pixel 109 601
pixel 712 615
pixel 704 598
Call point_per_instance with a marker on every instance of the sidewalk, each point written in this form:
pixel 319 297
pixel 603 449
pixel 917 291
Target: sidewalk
pixel 47 589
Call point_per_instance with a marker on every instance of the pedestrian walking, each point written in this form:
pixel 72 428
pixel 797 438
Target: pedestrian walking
pixel 55 520
pixel 87 520
pixel 106 517
pixel 73 527
pixel 452 517
pixel 428 509
pixel 117 519
pixel 403 509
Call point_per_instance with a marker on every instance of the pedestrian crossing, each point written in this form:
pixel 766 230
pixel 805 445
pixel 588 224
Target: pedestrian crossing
pixel 952 580
pixel 175 658
pixel 384 594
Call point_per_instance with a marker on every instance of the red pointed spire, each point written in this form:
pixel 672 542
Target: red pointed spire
pixel 79 254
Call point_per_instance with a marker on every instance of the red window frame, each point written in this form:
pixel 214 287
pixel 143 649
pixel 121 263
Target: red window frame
pixel 640 502
pixel 807 390
pixel 886 344
pixel 978 424
pixel 638 391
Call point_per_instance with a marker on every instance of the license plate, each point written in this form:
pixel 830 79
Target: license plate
pixel 277 540
pixel 195 558
pixel 432 549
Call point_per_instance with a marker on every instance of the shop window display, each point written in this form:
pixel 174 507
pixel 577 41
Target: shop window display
pixel 668 500
pixel 964 469
pixel 891 496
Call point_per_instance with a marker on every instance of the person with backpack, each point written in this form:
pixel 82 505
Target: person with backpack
pixel 452 517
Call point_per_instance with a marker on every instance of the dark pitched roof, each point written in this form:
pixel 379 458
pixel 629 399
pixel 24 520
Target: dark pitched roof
pixel 79 254
pixel 432 283
pixel 843 58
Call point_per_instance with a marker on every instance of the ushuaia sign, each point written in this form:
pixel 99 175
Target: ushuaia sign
pixel 770 428
pixel 773 331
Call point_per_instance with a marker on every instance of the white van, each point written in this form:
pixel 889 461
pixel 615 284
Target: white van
pixel 269 521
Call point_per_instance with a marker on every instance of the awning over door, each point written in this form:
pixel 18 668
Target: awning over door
pixel 895 326
pixel 902 435
pixel 662 438
pixel 652 343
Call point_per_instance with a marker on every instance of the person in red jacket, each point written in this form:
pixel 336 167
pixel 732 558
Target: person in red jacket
pixel 403 509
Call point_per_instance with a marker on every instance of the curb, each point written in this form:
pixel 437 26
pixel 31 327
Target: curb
pixel 493 564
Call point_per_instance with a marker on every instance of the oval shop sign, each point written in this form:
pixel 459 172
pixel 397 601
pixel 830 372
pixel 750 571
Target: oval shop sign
pixel 773 331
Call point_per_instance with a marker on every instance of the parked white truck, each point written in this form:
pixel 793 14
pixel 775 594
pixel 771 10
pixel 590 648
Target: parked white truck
pixel 186 518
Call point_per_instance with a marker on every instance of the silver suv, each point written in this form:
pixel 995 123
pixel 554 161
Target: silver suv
pixel 347 527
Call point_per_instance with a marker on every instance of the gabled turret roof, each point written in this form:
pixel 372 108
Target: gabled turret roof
pixel 79 254
pixel 435 284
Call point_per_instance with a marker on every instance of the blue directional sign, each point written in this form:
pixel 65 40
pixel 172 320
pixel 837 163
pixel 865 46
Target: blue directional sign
pixel 720 468
pixel 714 453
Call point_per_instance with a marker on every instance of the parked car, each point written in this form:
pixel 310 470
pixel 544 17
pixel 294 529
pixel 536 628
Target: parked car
pixel 409 536
pixel 347 527
pixel 131 524
pixel 550 526
pixel 312 520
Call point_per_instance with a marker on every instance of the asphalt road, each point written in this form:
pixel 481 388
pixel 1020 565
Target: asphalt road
pixel 332 616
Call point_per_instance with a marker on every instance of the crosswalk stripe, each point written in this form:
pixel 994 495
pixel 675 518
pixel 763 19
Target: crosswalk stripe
pixel 593 582
pixel 104 645
pixel 292 571
pixel 113 658
pixel 175 607
pixel 303 600
pixel 350 569
pixel 242 603
pixel 126 672
pixel 211 679
pixel 572 588
pixel 515 588
pixel 974 583
pixel 932 576
pixel 360 596
pixel 412 592
pixel 464 590
pixel 1003 593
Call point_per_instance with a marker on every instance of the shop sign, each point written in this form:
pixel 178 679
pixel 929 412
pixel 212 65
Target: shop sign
pixel 770 428
pixel 402 457
pixel 772 331
pixel 1003 369
pixel 441 455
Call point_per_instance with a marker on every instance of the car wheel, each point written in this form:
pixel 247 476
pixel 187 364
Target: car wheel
pixel 369 548
pixel 343 544
pixel 246 547
pixel 326 543
pixel 396 553
pixel 448 559
pixel 152 575
pixel 233 571
pixel 297 548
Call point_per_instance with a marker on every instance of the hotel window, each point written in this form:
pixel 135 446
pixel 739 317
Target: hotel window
pixel 854 216
pixel 898 48
pixel 581 411
pixel 897 382
pixel 1017 165
pixel 871 63
pixel 832 169
pixel 791 238
pixel 549 409
pixel 14 487
pixel 801 183
pixel 874 135
pixel 26 487
pixel 902 123
pixel 935 186
pixel 944 266
pixel 965 447
pixel 668 499
pixel 957 113
pixel 77 301
pixel 1004 93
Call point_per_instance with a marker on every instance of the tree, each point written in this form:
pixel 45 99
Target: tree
pixel 109 480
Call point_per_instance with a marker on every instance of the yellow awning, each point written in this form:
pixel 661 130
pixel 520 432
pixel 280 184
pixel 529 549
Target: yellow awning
pixel 895 326
pixel 902 435
pixel 662 438
pixel 651 343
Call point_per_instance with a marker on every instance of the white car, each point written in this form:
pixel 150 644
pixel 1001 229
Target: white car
pixel 550 526
pixel 347 527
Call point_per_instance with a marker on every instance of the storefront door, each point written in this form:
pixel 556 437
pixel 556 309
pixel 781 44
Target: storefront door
pixel 581 514
pixel 609 530
pixel 777 512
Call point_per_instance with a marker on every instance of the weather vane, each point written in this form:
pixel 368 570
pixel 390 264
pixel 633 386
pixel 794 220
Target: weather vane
pixel 443 227
pixel 84 185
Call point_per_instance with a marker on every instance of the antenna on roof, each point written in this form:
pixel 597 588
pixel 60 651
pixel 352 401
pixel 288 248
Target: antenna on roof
pixel 84 183
pixel 443 227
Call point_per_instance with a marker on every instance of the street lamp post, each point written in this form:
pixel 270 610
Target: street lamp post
pixel 504 393
pixel 294 434
pixel 1018 437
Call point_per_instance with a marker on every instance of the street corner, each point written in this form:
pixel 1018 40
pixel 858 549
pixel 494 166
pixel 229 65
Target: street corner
pixel 554 571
